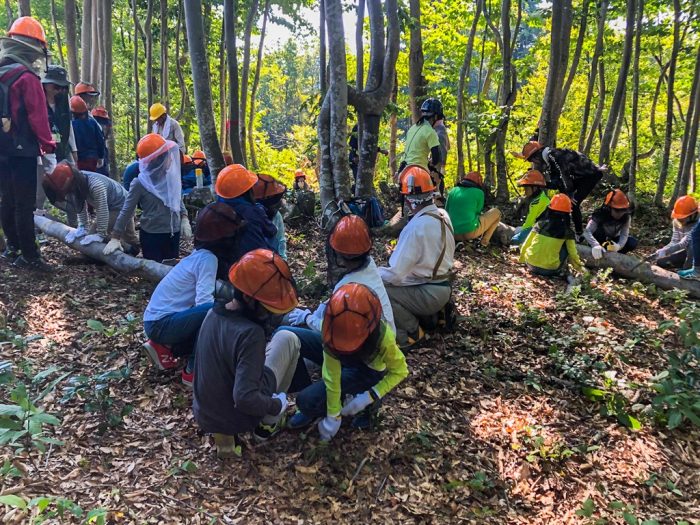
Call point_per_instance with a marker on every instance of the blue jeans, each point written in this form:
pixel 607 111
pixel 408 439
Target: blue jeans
pixel 178 330
pixel 159 246
pixel 520 237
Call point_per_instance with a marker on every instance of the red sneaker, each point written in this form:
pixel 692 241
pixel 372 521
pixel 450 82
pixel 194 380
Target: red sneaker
pixel 160 355
pixel 187 378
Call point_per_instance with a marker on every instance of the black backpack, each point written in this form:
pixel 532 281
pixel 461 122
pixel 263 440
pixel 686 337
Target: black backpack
pixel 9 75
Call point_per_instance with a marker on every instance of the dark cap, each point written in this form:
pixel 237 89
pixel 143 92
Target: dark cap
pixel 217 221
pixel 56 75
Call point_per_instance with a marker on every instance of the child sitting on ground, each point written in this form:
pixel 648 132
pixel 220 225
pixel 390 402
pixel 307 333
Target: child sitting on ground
pixel 270 193
pixel 678 253
pixel 465 205
pixel 609 226
pixel 536 198
pixel 551 243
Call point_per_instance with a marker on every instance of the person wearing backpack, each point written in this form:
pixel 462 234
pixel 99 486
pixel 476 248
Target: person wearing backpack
pixel 417 279
pixel 24 135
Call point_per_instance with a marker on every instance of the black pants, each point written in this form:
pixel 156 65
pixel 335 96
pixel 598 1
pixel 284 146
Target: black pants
pixel 18 191
pixel 583 189
pixel 159 246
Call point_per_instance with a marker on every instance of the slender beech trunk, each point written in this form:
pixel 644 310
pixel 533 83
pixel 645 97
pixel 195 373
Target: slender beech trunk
pixel 57 33
pixel 690 137
pixel 462 108
pixel 322 59
pixel 670 85
pixel 69 12
pixel 25 8
pixel 597 53
pixel 107 34
pixel 164 66
pixel 137 82
pixel 151 83
pixel 230 8
pixel 632 183
pixel 245 74
pixel 577 51
pixel 96 60
pixel 86 42
pixel 178 67
pixel 416 82
pixel 254 89
pixel 597 118
pixel 393 129
pixel 223 114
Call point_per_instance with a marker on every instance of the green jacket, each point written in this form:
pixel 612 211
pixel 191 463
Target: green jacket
pixel 465 203
pixel 537 206
pixel 542 251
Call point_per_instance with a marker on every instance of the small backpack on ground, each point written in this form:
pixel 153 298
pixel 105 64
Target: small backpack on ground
pixel 369 209
pixel 9 75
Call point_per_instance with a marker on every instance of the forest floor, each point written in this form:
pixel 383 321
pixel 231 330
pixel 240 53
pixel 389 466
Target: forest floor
pixel 491 426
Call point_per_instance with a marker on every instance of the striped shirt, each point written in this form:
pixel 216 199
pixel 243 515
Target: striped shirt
pixel 104 195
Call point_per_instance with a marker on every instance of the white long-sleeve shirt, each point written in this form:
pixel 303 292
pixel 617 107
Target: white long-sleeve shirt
pixel 419 248
pixel 190 283
pixel 369 276
pixel 175 134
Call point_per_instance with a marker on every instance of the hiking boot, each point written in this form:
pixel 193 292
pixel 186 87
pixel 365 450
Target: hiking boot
pixel 160 355
pixel 11 253
pixel 447 317
pixel 299 420
pixel 413 339
pixel 188 378
pixel 265 431
pixel 34 265
pixel 690 273
pixel 227 447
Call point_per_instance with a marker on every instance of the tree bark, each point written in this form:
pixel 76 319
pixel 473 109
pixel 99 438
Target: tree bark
pixel 178 69
pixel 393 128
pixel 597 118
pixel 95 50
pixel 86 42
pixel 69 12
pixel 254 90
pixel 670 85
pixel 137 82
pixel 58 33
pixel 245 74
pixel 25 8
pixel 462 108
pixel 151 84
pixel 416 81
pixel 632 182
pixel 202 85
pixel 690 137
pixel 323 61
pixel 223 111
pixel 577 51
pixel 107 34
pixel 230 15
pixel 164 66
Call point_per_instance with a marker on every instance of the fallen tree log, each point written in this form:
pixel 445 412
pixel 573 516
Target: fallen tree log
pixel 123 263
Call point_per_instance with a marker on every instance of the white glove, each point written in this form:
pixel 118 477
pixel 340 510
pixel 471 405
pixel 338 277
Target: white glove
pixel 658 254
pixel 283 399
pixel 185 229
pixel 297 317
pixel 357 404
pixel 89 239
pixel 328 427
pixel 614 247
pixel 100 163
pixel 597 252
pixel 75 234
pixel 112 246
pixel 518 230
pixel 48 161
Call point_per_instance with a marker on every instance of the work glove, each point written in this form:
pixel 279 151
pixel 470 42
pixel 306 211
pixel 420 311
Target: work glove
pixel 328 427
pixel 112 246
pixel 89 239
pixel 297 317
pixel 48 161
pixel 75 234
pixel 357 404
pixel 185 229
pixel 658 254
pixel 597 252
pixel 283 399
pixel 614 247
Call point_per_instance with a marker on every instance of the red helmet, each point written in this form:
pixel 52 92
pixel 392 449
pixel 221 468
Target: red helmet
pixel 26 26
pixel 350 237
pixel 684 207
pixel 299 174
pixel 529 150
pixel 217 221
pixel 475 177
pixel 617 200
pixel 533 178
pixel 199 158
pixel 60 179
pixel 352 314
pixel 267 187
pixel 77 105
pixel 100 112
pixel 83 88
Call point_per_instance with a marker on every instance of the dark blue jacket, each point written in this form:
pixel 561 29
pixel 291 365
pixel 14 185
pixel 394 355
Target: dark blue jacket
pixel 259 232
pixel 89 138
pixel 130 173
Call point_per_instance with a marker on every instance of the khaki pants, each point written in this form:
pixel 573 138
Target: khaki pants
pixel 129 236
pixel 488 222
pixel 281 356
pixel 410 302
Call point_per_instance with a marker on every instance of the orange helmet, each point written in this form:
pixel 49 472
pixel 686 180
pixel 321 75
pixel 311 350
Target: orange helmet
pixel 415 181
pixel 299 174
pixel 149 144
pixel 26 26
pixel 352 314
pixel 684 207
pixel 217 221
pixel 267 187
pixel 617 200
pixel 83 88
pixel 350 237
pixel 198 157
pixel 60 179
pixel 186 159
pixel 233 181
pixel 533 178
pixel 561 202
pixel 100 112
pixel 77 105
pixel 475 177
pixel 264 276
pixel 529 150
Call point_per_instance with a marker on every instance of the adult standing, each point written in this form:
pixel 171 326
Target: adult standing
pixel 422 140
pixel 23 54
pixel 88 93
pixel 101 116
pixel 166 126
pixel 88 136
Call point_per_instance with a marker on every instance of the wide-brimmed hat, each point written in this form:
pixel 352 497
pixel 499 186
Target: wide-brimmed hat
pixel 56 75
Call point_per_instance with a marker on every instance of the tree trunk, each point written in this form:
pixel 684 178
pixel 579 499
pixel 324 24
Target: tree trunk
pixel 25 8
pixel 58 33
pixel 597 118
pixel 223 112
pixel 670 84
pixel 416 82
pixel 688 149
pixel 254 90
pixel 323 61
pixel 151 84
pixel 359 46
pixel 577 51
pixel 95 50
pixel 393 129
pixel 230 15
pixel 245 74
pixel 164 66
pixel 462 108
pixel 107 34
pixel 617 107
pixel 202 85
pixel 137 83
pixel 178 70
pixel 69 11
pixel 86 42
pixel 632 182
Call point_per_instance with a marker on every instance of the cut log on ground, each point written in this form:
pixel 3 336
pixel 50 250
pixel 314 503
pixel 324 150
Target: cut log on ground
pixel 624 265
pixel 123 263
